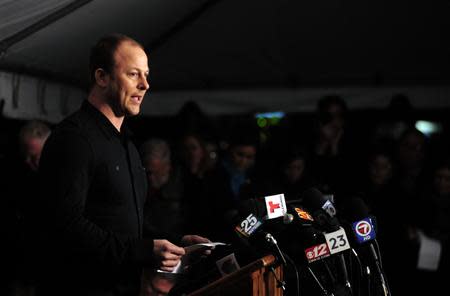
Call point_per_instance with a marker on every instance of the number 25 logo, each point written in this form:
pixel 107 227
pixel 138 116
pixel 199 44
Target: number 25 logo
pixel 248 223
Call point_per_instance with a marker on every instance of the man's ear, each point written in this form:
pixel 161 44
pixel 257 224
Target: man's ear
pixel 101 77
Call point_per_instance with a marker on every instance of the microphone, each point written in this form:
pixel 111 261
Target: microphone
pixel 363 229
pixel 324 214
pixel 272 241
pixel 316 255
pixel 288 218
pixel 321 209
pixel 250 228
pixel 298 215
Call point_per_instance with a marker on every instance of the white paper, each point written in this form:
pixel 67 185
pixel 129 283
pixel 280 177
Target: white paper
pixel 429 253
pixel 202 246
pixel 191 251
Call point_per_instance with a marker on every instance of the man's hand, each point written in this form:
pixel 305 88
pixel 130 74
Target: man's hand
pixel 192 239
pixel 167 254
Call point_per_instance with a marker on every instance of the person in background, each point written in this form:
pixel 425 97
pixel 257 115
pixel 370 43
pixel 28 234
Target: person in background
pixel 163 209
pixel 196 162
pixel 433 208
pixel 291 176
pixel 197 155
pixel 32 137
pixel 21 189
pixel 395 119
pixel 412 156
pixel 333 159
pixel 232 181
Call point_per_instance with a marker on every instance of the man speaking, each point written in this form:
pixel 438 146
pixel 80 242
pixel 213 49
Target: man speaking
pixel 89 216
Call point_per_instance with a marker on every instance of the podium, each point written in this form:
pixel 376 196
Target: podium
pixel 255 279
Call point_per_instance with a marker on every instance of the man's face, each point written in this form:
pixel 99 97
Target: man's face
pixel 412 151
pixel 380 170
pixel 194 150
pixel 294 170
pixel 128 80
pixel 158 172
pixel 243 157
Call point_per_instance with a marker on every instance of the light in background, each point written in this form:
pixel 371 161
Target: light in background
pixel 428 127
pixel 266 120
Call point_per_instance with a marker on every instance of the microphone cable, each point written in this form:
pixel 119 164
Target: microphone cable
pixel 379 265
pixel 297 282
pixel 361 272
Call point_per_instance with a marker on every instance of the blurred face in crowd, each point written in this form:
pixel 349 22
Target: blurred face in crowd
pixel 243 157
pixel 294 170
pixel 193 150
pixel 442 181
pixel 337 115
pixel 127 84
pixel 32 148
pixel 380 169
pixel 158 171
pixel 332 122
pixel 411 150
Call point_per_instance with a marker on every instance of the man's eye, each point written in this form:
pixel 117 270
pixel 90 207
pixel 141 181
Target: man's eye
pixel 134 74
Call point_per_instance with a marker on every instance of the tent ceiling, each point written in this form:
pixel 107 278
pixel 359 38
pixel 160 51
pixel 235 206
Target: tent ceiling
pixel 243 44
pixel 222 45
pixel 61 49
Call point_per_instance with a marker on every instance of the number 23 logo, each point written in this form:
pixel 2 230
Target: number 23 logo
pixel 338 241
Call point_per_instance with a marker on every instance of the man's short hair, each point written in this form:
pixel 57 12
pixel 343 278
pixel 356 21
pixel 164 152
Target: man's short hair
pixel 102 53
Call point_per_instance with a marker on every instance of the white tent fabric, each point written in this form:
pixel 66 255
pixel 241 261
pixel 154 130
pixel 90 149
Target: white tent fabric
pixel 234 56
pixel 27 97
pixel 30 98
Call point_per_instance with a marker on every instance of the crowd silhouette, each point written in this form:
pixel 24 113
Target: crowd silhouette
pixel 199 167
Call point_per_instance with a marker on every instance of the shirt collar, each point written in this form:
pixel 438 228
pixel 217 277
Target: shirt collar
pixel 103 122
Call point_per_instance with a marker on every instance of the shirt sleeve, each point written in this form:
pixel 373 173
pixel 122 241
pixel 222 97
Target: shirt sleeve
pixel 66 170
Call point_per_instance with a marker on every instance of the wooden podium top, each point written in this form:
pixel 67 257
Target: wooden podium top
pixel 252 279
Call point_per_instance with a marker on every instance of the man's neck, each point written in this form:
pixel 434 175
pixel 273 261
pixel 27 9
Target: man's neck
pixel 106 110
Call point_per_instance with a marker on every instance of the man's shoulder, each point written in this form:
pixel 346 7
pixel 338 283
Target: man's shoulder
pixel 76 129
pixel 78 122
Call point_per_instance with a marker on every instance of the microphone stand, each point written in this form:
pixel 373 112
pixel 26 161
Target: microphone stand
pixel 383 281
pixel 272 241
pixel 324 291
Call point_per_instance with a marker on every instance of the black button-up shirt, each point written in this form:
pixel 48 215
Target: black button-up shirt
pixel 94 188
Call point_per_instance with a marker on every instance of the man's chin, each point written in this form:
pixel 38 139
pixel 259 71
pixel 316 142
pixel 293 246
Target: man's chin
pixel 132 112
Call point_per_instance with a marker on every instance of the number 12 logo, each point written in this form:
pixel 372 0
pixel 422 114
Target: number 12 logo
pixel 317 252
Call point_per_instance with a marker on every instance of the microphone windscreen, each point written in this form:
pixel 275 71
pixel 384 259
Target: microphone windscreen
pixel 232 217
pixel 252 206
pixel 357 209
pixel 313 199
pixel 288 218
